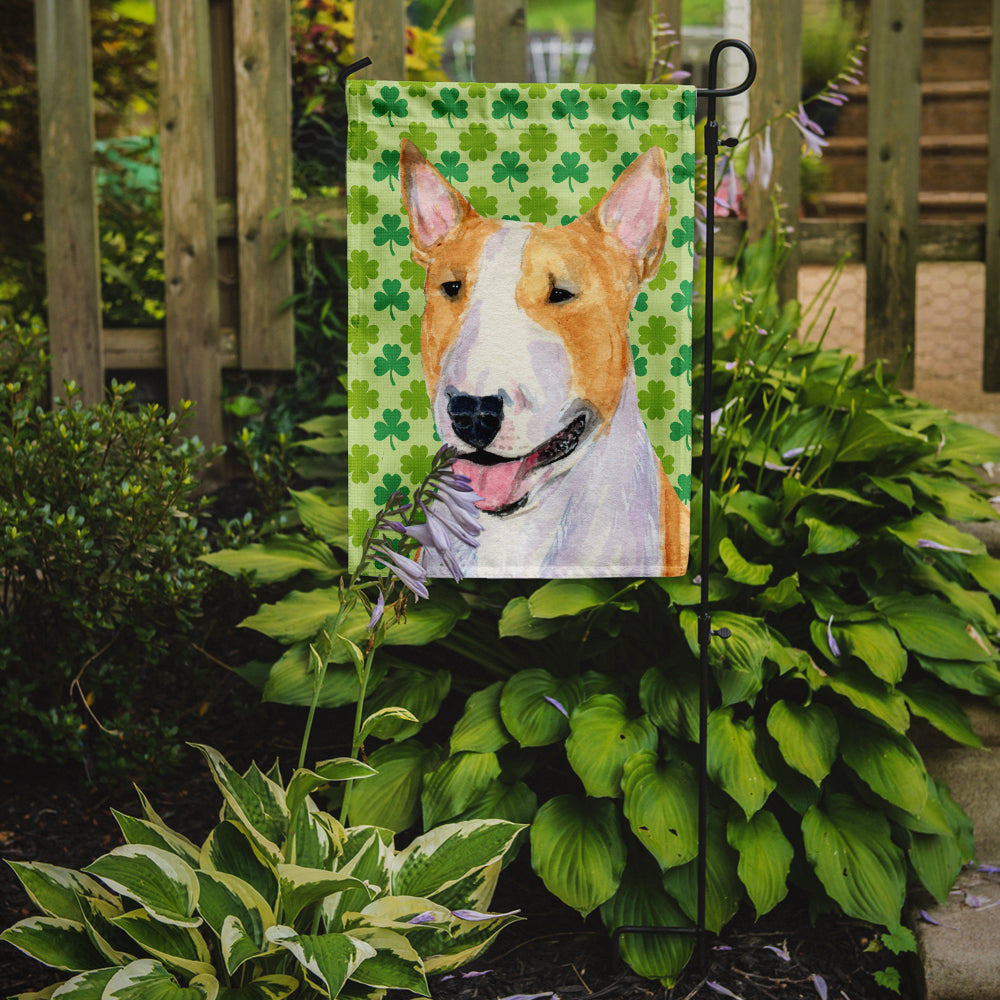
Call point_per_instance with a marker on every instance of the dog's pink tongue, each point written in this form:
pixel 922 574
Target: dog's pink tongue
pixel 498 485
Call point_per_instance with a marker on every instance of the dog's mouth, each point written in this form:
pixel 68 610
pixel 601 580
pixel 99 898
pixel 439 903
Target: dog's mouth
pixel 503 482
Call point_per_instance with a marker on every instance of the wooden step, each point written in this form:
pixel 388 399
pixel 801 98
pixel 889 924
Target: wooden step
pixel 956 53
pixel 957 206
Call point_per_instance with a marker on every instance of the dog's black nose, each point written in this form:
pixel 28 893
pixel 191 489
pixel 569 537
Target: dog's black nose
pixel 476 419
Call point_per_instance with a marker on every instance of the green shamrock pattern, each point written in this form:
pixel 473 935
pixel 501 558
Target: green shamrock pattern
pixel 541 153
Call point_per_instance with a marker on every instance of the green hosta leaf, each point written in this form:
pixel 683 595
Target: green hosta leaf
pixel 956 501
pixel 292 681
pixel 225 897
pixel 602 738
pixel 395 964
pixel 330 959
pixel 559 598
pixel 391 798
pixel 765 858
pixel 578 851
pixel 279 558
pixel 827 539
pixel 941 709
pixel 865 692
pixel 975 605
pixel 517 620
pixel 54 941
pixel 142 831
pixel 888 763
pixel 986 571
pixel 671 700
pixel 931 628
pixel 56 891
pixel 481 728
pixel 760 512
pixel 535 706
pixel 723 889
pixel 870 436
pixel 976 678
pixel 928 528
pixel 738 569
pixel 641 901
pixel 230 849
pixel 807 736
pixel 301 887
pixel 387 722
pixel 147 979
pixel 732 760
pixel 416 689
pixel 661 799
pixel 516 803
pixel 850 848
pixel 738 661
pixel 180 948
pixel 275 987
pixel 937 859
pixel 438 859
pixel 456 784
pixel 876 646
pixel 783 595
pixel 160 882
pixel 327 520
pixel 965 443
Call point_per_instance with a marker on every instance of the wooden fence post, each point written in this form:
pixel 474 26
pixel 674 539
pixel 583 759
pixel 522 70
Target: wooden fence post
pixel 501 41
pixel 893 183
pixel 776 35
pixel 262 61
pixel 72 255
pixel 991 332
pixel 380 34
pixel 622 40
pixel 190 251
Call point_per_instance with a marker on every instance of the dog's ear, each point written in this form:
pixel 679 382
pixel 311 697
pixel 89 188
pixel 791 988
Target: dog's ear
pixel 435 208
pixel 636 208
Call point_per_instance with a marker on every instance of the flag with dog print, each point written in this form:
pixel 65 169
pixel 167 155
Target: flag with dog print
pixel 521 290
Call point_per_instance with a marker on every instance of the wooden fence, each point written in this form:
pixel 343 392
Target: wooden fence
pixel 226 160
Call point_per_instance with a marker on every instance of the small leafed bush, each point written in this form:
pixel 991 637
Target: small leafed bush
pixel 99 575
pixel 280 899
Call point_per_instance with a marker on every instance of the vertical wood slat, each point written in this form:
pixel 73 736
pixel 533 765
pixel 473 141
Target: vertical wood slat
pixel 621 40
pixel 991 332
pixel 190 252
pixel 501 41
pixel 262 61
pixel 380 34
pixel 667 13
pixel 72 255
pixel 893 183
pixel 776 35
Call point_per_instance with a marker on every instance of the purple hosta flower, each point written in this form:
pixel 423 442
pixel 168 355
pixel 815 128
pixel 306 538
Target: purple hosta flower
pixel 427 917
pixel 812 134
pixel 558 705
pixel 377 611
pixel 780 952
pixel 475 915
pixel 719 988
pixel 728 195
pixel 831 642
pixel 928 543
pixel 820 984
pixel 989 869
pixel 409 572
pixel 760 165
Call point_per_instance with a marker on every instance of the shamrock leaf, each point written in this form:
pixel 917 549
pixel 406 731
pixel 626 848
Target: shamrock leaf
pixel 361 140
pixel 451 167
pixel 597 142
pixel 482 201
pixel 658 135
pixel 685 170
pixel 656 335
pixel 667 272
pixel 393 362
pixel 638 362
pixel 478 142
pixel 361 398
pixel 362 463
pixel 510 106
pixel 361 269
pixel 358 525
pixel 416 463
pixel 362 333
pixel 392 231
pixel 683 300
pixel 409 334
pixel 537 205
pixel 392 427
pixel 510 169
pixel 680 429
pixel 682 486
pixel 683 235
pixel 412 272
pixel 450 104
pixel 641 303
pixel 630 106
pixel 681 364
pixel 537 141
pixel 422 137
pixel 684 109
pixel 389 104
pixel 387 168
pixel 391 483
pixel 571 106
pixel 570 169
pixel 360 204
pixel 656 399
pixel 616 170
pixel 415 399
pixel 391 297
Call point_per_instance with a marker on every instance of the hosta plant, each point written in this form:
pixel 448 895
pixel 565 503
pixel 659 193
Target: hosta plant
pixel 279 900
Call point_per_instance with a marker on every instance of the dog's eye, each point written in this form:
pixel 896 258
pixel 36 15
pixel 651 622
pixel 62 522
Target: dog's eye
pixel 451 288
pixel 560 295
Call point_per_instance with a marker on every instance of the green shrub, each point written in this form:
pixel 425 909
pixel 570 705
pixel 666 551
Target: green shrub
pixel 99 541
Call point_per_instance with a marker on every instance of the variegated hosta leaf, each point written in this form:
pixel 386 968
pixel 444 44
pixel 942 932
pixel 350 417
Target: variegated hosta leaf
pixel 177 947
pixel 850 847
pixel 304 782
pixel 765 858
pixel 87 986
pixel 238 944
pixel 661 800
pixel 468 939
pixel 315 838
pixel 230 849
pixel 481 728
pixel 395 964
pixel 329 959
pixel 441 857
pixel 225 897
pixel 147 979
pixel 807 736
pixel 56 891
pixel 141 831
pixel 732 760
pixel 456 784
pixel 476 890
pixel 54 941
pixel 116 946
pixel 275 987
pixel 642 902
pixel 300 887
pixel 158 880
pixel 367 853
pixel 578 851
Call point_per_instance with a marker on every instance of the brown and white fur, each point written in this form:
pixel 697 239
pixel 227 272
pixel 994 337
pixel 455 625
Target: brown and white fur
pixel 526 356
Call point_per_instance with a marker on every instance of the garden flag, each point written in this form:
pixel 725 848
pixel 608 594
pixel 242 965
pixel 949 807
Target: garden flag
pixel 520 265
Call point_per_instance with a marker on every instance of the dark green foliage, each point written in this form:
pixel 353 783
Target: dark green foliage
pixel 99 539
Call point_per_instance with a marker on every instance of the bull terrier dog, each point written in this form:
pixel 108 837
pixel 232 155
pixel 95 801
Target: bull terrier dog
pixel 526 355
